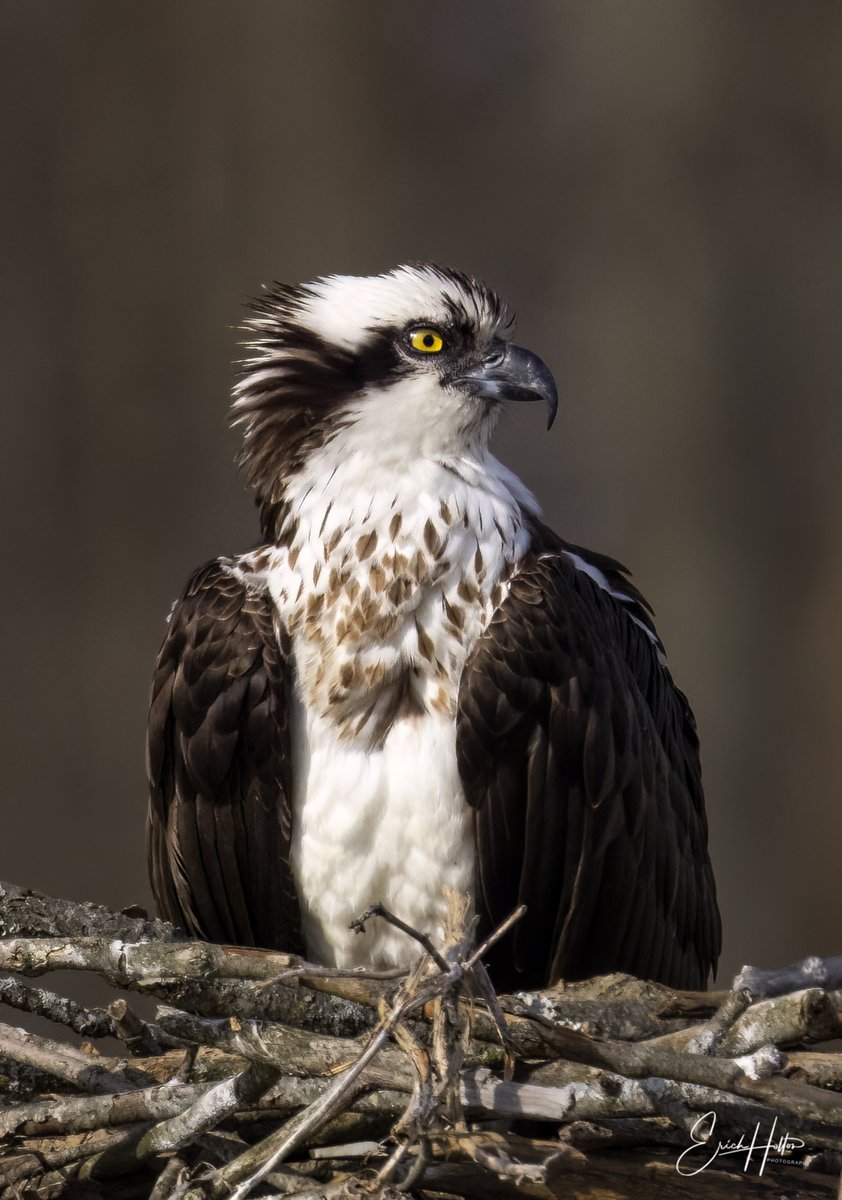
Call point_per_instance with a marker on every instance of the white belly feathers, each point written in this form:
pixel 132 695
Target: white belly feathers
pixel 388 825
pixel 385 586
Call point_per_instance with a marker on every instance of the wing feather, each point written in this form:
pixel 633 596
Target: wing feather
pixel 218 762
pixel 580 758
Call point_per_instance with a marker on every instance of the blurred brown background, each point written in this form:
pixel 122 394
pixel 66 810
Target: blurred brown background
pixel 655 186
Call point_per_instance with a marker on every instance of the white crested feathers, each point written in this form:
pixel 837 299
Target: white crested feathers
pixel 343 309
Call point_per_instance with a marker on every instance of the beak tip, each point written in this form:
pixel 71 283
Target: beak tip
pixel 521 375
pixel 552 410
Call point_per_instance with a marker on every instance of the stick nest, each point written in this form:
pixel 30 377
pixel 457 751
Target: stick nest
pixel 258 1074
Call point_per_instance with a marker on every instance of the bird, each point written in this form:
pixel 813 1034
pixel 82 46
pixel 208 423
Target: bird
pixel 411 686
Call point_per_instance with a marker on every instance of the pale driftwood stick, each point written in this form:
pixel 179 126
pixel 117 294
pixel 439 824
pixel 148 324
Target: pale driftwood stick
pixel 347 1150
pixel 76 1114
pixel 792 1020
pixel 314 1009
pixel 294 1051
pixel 167 1182
pixel 807 973
pixel 207 1111
pixel 311 971
pixel 806 1016
pixel 740 1026
pixel 198 975
pixel 117 1021
pixel 140 1037
pixel 213 1105
pixel 821 1069
pixel 86 1072
pixel 613 1006
pixel 126 961
pixel 28 913
pixel 87 1022
pixel 293 1092
pixel 810 1016
pixel 710 1036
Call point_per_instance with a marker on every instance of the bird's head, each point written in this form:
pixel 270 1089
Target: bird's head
pixel 413 363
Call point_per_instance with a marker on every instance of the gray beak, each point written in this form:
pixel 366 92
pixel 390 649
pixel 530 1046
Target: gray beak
pixel 513 374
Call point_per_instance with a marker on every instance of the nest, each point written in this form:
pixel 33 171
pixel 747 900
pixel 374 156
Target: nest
pixel 262 1075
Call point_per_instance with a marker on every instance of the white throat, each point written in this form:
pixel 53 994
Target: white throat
pixel 389 577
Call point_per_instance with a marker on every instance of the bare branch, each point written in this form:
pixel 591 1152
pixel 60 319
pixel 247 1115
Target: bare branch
pixel 423 939
pixel 809 972
pixel 83 1071
pixel 87 1022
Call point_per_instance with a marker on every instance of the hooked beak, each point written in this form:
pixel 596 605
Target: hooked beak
pixel 513 374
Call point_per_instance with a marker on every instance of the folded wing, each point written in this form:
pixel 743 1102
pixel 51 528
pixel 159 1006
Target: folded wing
pixel 218 762
pixel 580 758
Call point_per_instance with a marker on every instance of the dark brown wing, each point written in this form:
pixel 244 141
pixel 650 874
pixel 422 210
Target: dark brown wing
pixel 218 766
pixel 580 757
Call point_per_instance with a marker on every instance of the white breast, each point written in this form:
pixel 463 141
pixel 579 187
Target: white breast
pixel 389 826
pixel 378 809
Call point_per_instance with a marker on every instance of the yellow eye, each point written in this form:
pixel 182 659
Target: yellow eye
pixel 427 341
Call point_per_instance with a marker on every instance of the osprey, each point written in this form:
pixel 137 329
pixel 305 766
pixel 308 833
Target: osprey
pixel 412 684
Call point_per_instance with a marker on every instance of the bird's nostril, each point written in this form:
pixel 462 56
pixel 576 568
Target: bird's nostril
pixel 494 359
